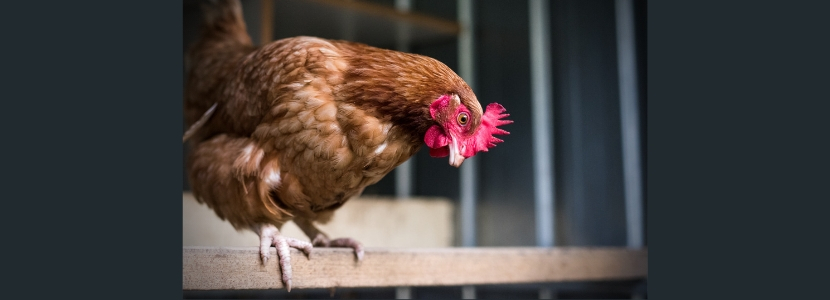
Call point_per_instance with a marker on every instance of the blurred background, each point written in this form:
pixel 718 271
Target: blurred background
pixel 572 76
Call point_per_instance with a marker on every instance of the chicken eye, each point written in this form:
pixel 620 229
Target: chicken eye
pixel 463 118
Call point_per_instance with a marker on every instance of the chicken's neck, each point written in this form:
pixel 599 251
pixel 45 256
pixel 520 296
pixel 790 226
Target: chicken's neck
pixel 382 101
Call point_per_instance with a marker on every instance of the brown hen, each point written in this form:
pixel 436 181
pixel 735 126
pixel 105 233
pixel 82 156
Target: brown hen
pixel 294 129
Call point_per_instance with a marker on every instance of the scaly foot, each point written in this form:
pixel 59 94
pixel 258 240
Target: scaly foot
pixel 269 236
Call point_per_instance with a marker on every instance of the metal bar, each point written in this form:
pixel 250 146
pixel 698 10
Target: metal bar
pixel 403 28
pixel 404 179
pixel 468 292
pixel 403 292
pixel 542 97
pixel 348 20
pixel 468 169
pixel 629 118
pixel 404 174
pixel 576 173
pixel 469 180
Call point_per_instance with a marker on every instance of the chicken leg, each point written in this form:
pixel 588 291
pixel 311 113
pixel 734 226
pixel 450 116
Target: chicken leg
pixel 269 236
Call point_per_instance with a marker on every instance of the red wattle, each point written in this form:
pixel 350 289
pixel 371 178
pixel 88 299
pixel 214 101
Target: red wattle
pixel 436 138
pixel 439 152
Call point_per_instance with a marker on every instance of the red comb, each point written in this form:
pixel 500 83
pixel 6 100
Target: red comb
pixel 490 121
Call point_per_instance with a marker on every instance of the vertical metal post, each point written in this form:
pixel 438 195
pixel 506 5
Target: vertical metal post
pixel 576 173
pixel 468 169
pixel 405 173
pixel 403 28
pixel 348 31
pixel 469 180
pixel 542 96
pixel 629 118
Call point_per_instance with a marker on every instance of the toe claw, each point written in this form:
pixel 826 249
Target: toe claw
pixel 265 255
pixel 349 243
pixel 270 236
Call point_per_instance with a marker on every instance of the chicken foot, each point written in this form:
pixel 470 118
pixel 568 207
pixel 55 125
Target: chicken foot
pixel 320 239
pixel 269 236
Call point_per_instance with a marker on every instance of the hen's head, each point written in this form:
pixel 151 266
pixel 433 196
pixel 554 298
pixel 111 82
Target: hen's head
pixel 462 132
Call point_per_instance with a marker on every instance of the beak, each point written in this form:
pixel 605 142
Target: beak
pixel 455 155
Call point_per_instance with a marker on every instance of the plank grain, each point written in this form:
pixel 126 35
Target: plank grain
pixel 234 268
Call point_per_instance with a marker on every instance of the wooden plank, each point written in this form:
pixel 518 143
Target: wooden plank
pixel 212 268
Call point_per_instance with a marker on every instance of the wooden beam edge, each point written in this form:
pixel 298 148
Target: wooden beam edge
pixel 435 23
pixel 232 268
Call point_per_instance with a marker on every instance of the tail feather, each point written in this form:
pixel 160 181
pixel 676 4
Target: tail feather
pixel 222 45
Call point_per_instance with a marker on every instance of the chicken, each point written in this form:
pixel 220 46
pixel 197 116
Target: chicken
pixel 292 130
